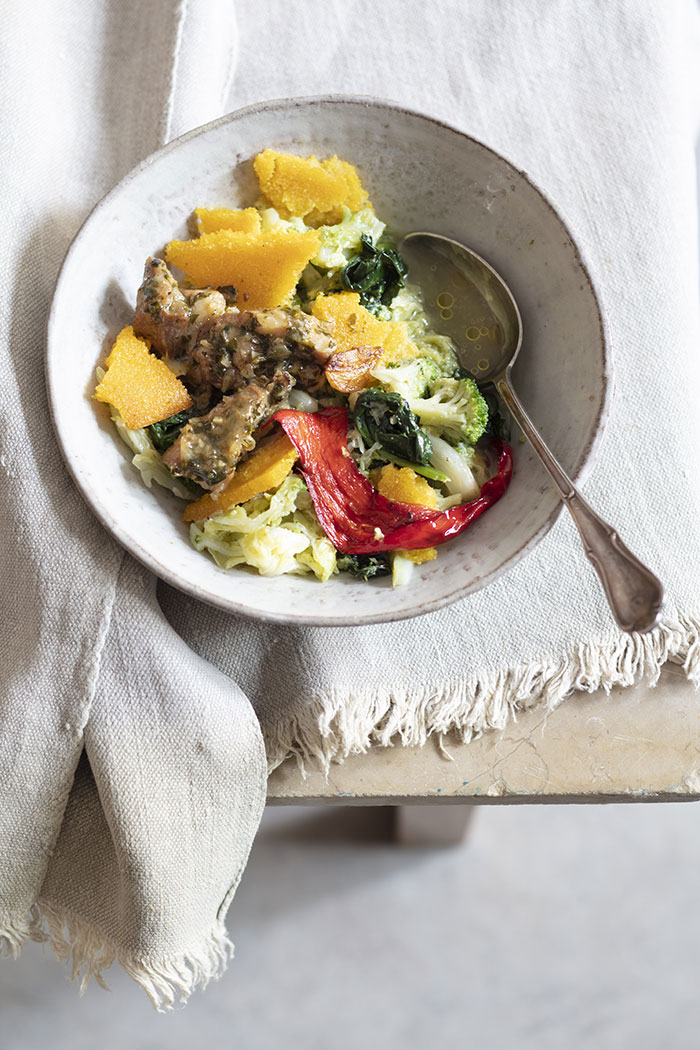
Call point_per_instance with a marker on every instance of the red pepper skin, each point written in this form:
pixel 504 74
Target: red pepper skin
pixel 348 506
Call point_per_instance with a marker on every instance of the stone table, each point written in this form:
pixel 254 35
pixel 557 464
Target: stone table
pixel 636 744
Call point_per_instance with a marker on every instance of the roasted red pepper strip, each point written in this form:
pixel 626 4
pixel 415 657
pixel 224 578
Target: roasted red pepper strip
pixel 355 516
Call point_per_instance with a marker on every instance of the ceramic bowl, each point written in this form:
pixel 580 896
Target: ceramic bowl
pixel 420 174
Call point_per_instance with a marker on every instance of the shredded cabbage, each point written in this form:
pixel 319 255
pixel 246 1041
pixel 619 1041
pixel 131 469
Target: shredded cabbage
pixel 401 569
pixel 270 219
pixel 146 460
pixel 275 533
pixel 344 239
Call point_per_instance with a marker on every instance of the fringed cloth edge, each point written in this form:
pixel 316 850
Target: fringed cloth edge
pixel 345 722
pixel 89 953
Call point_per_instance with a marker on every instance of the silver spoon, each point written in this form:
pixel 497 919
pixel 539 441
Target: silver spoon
pixel 635 595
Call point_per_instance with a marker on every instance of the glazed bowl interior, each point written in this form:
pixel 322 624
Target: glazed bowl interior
pixel 421 175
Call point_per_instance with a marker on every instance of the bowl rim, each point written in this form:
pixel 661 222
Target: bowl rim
pixel 579 475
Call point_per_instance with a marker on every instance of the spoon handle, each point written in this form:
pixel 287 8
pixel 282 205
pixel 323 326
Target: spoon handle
pixel 634 593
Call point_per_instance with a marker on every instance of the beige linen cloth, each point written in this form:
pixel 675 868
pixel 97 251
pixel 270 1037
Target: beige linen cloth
pixel 132 765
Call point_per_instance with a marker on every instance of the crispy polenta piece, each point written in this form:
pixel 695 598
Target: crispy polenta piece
pixel 420 555
pixel 405 486
pixel 211 220
pixel 264 269
pixel 139 385
pixel 264 469
pixel 315 190
pixel 352 326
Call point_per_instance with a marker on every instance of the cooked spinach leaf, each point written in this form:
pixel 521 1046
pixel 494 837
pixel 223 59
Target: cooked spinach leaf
pixel 164 433
pixel 376 273
pixel 364 566
pixel 386 418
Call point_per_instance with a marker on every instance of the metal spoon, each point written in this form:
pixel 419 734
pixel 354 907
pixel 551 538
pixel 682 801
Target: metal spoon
pixel 635 595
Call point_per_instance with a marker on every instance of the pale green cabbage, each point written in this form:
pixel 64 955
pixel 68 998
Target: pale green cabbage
pixel 147 460
pixel 343 240
pixel 270 219
pixel 402 569
pixel 275 533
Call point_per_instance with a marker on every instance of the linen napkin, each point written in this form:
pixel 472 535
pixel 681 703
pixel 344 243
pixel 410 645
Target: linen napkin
pixel 147 757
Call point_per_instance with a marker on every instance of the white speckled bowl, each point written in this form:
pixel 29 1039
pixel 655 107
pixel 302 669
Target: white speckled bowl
pixel 420 174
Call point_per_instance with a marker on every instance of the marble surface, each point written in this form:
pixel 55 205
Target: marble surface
pixel 634 744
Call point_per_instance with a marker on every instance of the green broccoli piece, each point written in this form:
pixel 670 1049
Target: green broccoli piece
pixel 440 349
pixel 455 408
pixel 497 426
pixel 410 379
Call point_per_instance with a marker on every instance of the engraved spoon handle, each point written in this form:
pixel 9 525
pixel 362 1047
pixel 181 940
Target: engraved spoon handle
pixel 634 593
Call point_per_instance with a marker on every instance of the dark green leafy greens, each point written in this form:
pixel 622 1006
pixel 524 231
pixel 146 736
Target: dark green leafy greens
pixel 376 273
pixel 164 433
pixel 364 566
pixel 386 418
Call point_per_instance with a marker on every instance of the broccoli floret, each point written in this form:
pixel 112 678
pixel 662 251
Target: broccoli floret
pixel 441 349
pixel 410 379
pixel 497 426
pixel 455 408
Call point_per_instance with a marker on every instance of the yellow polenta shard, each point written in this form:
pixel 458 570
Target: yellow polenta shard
pixel 139 385
pixel 211 220
pixel 405 486
pixel 304 186
pixel 264 469
pixel 420 555
pixel 351 325
pixel 263 268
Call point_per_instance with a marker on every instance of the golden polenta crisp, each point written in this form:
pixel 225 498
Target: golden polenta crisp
pixel 139 385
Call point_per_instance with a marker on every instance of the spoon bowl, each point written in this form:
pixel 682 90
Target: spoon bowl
pixel 467 299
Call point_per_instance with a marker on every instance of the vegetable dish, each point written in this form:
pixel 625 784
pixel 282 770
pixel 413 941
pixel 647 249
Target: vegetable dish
pixel 280 375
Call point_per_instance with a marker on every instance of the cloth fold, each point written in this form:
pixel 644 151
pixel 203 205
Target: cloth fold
pixel 132 774
pixel 132 766
pixel 162 813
